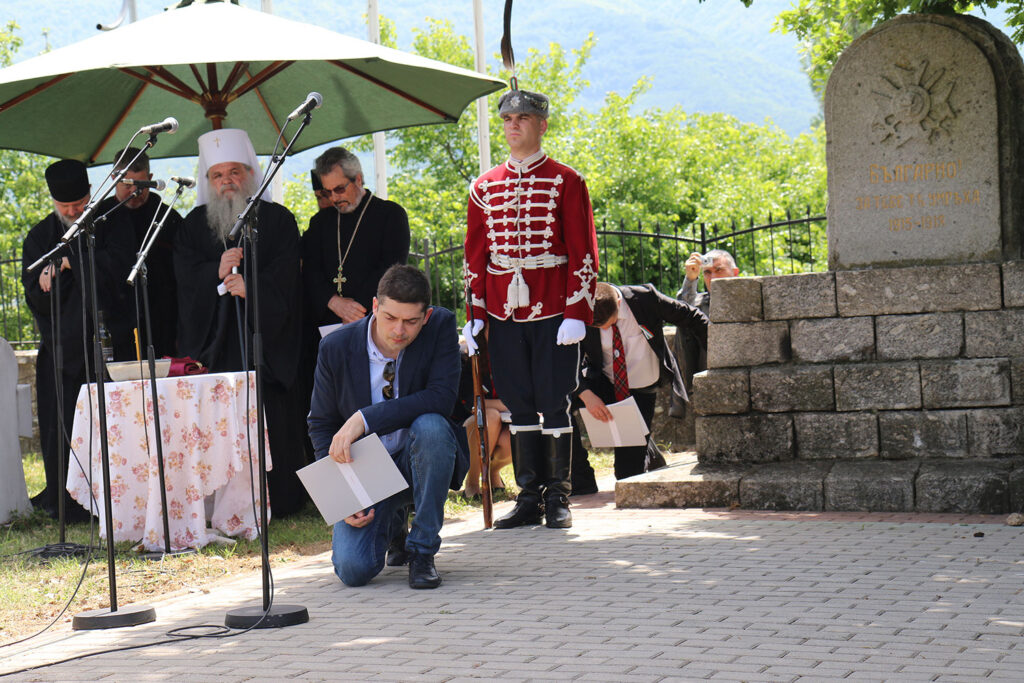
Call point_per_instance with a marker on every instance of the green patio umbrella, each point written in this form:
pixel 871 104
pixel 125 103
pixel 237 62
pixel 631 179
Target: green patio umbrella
pixel 220 65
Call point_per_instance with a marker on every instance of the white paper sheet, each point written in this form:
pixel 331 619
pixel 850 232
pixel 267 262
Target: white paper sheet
pixel 626 428
pixel 342 489
pixel 327 329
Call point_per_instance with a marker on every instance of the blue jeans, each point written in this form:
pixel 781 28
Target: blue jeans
pixel 426 460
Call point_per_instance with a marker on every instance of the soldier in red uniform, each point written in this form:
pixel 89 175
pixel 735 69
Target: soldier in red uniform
pixel 531 268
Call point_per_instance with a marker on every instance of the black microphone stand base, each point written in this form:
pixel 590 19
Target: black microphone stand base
pixel 55 550
pixel 157 555
pixel 132 615
pixel 278 616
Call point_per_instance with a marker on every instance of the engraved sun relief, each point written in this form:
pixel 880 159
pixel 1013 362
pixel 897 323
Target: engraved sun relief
pixel 913 102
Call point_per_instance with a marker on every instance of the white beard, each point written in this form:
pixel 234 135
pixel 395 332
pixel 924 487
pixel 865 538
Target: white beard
pixel 222 212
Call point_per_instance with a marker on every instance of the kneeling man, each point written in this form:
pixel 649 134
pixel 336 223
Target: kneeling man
pixel 396 374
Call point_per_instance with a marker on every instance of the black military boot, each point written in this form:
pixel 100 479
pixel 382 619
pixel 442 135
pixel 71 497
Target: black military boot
pixel 558 486
pixel 581 476
pixel 527 461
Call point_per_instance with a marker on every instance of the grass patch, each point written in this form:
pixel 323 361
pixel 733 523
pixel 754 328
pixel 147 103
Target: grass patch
pixel 34 591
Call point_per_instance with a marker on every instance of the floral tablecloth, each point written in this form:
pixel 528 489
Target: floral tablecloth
pixel 207 450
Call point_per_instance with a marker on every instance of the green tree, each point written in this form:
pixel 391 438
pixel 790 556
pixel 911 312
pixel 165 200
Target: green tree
pixel 647 169
pixel 826 27
pixel 25 201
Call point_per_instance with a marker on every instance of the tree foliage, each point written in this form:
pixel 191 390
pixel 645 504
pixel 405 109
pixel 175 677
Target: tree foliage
pixel 23 191
pixel 826 27
pixel 655 170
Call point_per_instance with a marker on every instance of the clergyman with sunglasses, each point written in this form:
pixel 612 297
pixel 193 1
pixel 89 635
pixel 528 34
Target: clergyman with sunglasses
pixel 394 373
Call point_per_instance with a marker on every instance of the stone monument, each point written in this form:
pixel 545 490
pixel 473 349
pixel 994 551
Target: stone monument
pixel 13 494
pixel 923 116
pixel 895 381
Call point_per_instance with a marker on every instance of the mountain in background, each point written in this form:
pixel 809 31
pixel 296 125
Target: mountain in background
pixel 715 56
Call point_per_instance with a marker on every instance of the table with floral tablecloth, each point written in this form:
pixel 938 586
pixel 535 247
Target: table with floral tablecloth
pixel 207 450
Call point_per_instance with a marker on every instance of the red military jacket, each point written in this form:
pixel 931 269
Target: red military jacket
pixel 531 249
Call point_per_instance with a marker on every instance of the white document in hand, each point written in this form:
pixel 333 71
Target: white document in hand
pixel 327 329
pixel 342 489
pixel 626 428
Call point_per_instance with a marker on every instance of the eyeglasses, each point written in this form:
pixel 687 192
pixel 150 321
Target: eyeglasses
pixel 339 190
pixel 389 377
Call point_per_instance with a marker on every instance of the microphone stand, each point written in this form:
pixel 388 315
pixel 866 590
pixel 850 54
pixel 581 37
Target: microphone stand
pixel 62 548
pixel 140 270
pixel 136 614
pixel 268 615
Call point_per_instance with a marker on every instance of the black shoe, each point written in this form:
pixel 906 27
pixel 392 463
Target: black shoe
pixel 556 511
pixel 422 573
pixel 397 555
pixel 524 513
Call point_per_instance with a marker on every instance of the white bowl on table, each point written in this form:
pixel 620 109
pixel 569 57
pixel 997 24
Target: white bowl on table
pixel 124 371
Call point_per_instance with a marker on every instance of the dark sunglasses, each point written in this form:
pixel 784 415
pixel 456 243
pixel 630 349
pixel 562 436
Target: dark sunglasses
pixel 389 377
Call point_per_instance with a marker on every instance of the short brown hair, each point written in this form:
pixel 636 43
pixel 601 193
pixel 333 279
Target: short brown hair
pixel 404 284
pixel 606 303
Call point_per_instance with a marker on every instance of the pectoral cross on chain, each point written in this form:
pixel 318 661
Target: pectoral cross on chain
pixel 340 280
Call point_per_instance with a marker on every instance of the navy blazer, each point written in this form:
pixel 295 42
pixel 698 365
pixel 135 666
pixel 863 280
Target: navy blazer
pixel 428 382
pixel 652 311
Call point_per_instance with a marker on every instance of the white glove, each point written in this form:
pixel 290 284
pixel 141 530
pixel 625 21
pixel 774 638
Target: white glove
pixel 571 331
pixel 470 330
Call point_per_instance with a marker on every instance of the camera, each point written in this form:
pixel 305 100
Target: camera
pixel 707 261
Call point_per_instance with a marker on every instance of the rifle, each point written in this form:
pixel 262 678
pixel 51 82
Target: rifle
pixel 480 411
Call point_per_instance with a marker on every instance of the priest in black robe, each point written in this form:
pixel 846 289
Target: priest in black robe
pixel 140 206
pixel 45 288
pixel 214 286
pixel 347 248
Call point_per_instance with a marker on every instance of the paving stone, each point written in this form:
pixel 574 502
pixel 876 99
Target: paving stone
pixel 965 383
pixel 963 486
pixel 787 388
pixel 920 289
pixel 723 391
pixel 798 296
pixel 784 486
pixel 742 344
pixel 835 435
pixel 832 339
pixel 922 434
pixel 744 438
pixel 877 386
pixel 927 335
pixel 871 485
pixel 737 299
pixel 994 334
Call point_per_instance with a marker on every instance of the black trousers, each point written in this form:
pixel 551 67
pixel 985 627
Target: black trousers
pixel 286 431
pixel 51 432
pixel 532 373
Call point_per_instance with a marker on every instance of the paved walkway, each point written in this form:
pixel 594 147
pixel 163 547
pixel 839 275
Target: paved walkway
pixel 625 595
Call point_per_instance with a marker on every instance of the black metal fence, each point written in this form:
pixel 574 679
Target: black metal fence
pixel 18 325
pixel 795 244
pixel 645 254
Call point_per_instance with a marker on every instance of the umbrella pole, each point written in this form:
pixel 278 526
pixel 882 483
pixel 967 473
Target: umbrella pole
pixel 266 615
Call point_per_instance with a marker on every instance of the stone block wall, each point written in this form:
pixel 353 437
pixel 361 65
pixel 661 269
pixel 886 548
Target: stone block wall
pixel 888 389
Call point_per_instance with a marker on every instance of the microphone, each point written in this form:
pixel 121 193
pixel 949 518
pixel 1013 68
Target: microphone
pixel 168 125
pixel 154 184
pixel 313 101
pixel 184 182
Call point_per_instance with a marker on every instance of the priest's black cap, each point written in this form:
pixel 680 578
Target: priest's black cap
pixel 68 180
